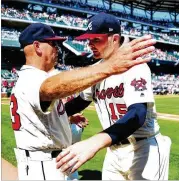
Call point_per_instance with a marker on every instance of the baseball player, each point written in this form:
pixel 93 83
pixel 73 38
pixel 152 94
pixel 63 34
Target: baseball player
pixel 39 119
pixel 126 109
pixel 77 124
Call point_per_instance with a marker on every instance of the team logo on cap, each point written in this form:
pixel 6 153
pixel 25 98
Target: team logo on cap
pixel 90 26
pixel 139 85
pixel 110 29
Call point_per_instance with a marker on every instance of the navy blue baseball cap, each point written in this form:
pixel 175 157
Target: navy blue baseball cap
pixel 100 25
pixel 38 32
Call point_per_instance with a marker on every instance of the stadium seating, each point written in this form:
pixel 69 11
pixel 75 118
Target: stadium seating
pixel 161 84
pixel 93 7
pixel 70 21
pixel 77 47
pixel 165 84
pixel 10 38
pixel 6 74
pixel 62 20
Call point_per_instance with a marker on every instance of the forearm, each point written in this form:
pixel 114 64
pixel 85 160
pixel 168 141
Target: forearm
pixel 70 82
pixel 76 105
pixel 133 120
pixel 100 141
pixel 80 152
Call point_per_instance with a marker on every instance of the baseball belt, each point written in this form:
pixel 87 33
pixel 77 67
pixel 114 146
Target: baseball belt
pixel 54 153
pixel 126 141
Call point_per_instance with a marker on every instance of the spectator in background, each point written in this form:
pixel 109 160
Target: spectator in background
pixel 14 73
pixel 51 10
pixel 11 84
pixel 4 85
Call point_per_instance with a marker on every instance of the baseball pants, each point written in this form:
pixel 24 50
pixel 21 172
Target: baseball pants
pixel 37 166
pixel 147 159
pixel 76 137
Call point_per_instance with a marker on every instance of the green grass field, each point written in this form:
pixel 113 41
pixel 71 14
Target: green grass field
pixel 167 104
pixel 92 169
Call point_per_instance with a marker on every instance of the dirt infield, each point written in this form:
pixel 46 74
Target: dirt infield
pixel 8 171
pixel 168 116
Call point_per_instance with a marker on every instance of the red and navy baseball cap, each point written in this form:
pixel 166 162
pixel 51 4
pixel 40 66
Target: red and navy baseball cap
pixel 100 25
pixel 38 32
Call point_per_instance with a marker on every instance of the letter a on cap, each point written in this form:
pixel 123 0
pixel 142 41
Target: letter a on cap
pixel 90 26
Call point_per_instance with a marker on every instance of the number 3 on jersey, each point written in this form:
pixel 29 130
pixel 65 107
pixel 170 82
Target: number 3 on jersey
pixel 121 108
pixel 16 124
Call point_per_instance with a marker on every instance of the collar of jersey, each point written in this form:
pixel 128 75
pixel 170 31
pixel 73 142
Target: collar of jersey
pixel 25 67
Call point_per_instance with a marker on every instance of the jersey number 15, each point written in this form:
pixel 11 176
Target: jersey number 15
pixel 121 109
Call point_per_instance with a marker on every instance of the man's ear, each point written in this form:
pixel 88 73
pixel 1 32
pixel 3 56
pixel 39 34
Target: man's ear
pixel 37 48
pixel 116 38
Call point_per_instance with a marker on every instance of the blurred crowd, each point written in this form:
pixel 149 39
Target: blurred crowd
pixel 82 46
pixel 43 16
pixel 162 84
pixel 9 34
pixel 98 8
pixel 162 37
pixel 165 84
pixel 63 67
pixel 8 79
pixel 52 16
pixel 165 55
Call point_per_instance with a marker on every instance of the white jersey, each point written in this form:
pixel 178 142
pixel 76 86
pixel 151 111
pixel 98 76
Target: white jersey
pixel 114 95
pixel 33 128
pixel 75 130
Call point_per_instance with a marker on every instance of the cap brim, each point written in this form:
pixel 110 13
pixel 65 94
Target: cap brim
pixel 88 36
pixel 56 38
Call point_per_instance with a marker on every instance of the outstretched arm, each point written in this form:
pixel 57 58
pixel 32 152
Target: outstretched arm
pixel 70 82
pixel 76 155
pixel 76 105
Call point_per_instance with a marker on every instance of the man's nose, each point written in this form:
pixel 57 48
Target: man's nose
pixel 91 44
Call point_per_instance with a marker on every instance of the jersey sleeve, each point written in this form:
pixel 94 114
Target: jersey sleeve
pixel 137 85
pixel 87 94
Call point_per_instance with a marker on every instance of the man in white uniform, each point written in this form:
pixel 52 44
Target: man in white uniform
pixel 77 124
pixel 126 108
pixel 38 115
pixel 77 130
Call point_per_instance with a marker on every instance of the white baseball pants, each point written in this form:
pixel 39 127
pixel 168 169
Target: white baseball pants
pixel 33 168
pixel 148 159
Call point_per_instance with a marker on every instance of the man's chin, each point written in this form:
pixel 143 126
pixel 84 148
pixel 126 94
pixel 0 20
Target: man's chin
pixel 96 56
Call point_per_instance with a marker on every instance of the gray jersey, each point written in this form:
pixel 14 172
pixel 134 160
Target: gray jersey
pixel 115 94
pixel 33 128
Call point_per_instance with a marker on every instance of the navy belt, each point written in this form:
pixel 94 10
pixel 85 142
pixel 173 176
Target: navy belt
pixel 126 141
pixel 53 153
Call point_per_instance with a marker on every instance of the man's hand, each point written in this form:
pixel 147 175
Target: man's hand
pixel 120 60
pixel 79 120
pixel 79 153
pixel 69 82
pixel 74 156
